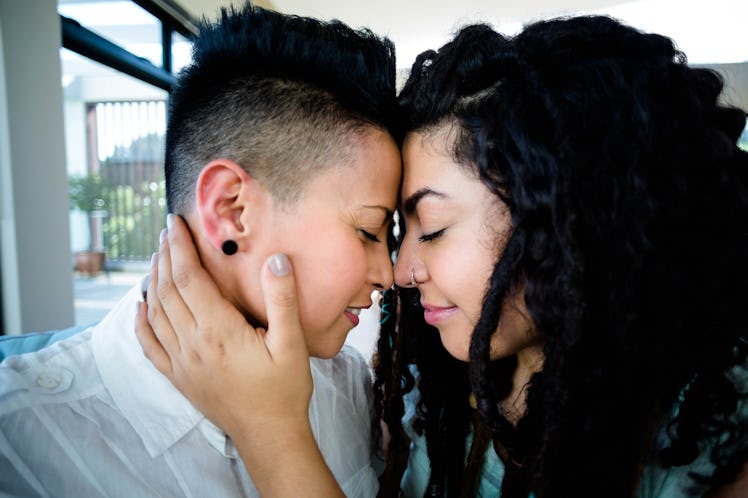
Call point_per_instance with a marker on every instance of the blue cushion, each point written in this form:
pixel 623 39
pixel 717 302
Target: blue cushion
pixel 26 343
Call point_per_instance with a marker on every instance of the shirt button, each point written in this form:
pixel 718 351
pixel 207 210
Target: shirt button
pixel 47 381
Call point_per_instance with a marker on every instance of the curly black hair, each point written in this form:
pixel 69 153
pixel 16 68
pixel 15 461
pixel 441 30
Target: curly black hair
pixel 629 206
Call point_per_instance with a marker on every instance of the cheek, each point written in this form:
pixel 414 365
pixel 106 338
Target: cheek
pixel 466 279
pixel 330 279
pixel 346 267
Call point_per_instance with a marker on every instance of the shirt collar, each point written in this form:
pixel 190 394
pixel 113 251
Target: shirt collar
pixel 158 412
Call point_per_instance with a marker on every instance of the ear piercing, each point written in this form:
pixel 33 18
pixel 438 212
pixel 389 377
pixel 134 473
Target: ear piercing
pixel 229 247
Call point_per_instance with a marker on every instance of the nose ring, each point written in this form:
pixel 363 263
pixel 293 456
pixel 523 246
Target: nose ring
pixel 412 276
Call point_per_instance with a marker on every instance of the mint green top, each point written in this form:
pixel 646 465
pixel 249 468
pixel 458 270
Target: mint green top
pixel 416 476
pixel 656 481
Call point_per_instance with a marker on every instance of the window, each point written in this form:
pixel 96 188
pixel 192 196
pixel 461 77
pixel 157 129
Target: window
pixel 117 68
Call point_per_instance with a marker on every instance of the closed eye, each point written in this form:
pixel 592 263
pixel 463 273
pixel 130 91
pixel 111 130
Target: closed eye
pixel 428 237
pixel 368 235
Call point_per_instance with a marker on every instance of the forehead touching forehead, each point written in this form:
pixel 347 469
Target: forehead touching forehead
pixel 282 132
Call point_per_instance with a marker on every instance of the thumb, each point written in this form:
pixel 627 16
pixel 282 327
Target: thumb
pixel 279 290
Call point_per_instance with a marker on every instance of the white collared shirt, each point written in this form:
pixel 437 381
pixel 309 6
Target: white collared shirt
pixel 90 416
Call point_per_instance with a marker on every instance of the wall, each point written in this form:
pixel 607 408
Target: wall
pixel 34 241
pixel 736 83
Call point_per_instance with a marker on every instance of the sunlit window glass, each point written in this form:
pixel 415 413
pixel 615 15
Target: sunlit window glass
pixel 121 22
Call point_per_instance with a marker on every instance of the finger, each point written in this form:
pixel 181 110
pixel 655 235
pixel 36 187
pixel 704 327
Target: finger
pixel 157 317
pixel 178 320
pixel 198 293
pixel 152 349
pixel 279 289
pixel 194 283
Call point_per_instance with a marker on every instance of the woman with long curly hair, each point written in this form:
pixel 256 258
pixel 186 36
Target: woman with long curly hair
pixel 598 307
pixel 575 217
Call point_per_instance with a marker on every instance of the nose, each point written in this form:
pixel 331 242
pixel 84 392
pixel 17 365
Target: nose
pixel 380 271
pixel 404 263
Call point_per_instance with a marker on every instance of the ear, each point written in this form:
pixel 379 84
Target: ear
pixel 224 196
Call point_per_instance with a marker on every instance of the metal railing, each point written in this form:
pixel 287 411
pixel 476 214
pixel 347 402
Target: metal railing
pixel 127 142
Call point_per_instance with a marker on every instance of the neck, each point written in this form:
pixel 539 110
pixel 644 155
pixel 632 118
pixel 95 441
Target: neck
pixel 529 362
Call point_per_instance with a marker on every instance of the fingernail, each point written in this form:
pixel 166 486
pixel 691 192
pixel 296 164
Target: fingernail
pixel 154 260
pixel 144 286
pixel 279 264
pixel 169 220
pixel 162 236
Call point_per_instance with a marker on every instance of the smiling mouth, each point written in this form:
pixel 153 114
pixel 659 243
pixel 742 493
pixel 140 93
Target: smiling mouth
pixel 354 311
pixel 433 315
pixel 352 314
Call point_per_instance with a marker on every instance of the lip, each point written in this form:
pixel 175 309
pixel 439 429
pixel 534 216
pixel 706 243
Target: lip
pixel 436 314
pixel 351 312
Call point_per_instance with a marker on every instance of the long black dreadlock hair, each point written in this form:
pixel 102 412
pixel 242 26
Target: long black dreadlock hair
pixel 630 209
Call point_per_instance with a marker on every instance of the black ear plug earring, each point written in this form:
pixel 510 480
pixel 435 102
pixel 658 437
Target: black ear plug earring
pixel 229 247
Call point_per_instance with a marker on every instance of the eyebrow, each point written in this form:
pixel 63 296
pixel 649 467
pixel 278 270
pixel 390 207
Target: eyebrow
pixel 411 203
pixel 387 212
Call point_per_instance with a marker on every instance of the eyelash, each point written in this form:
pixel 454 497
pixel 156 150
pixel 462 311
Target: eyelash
pixel 369 236
pixel 428 237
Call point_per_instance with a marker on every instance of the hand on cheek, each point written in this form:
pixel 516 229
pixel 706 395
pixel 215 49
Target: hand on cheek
pixel 206 348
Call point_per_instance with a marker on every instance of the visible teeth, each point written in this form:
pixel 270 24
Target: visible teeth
pixel 354 311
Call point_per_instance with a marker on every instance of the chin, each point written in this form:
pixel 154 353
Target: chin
pixel 324 355
pixel 328 350
pixel 457 348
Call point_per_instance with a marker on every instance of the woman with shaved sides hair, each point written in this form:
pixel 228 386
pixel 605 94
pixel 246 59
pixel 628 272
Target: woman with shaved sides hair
pixel 279 155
